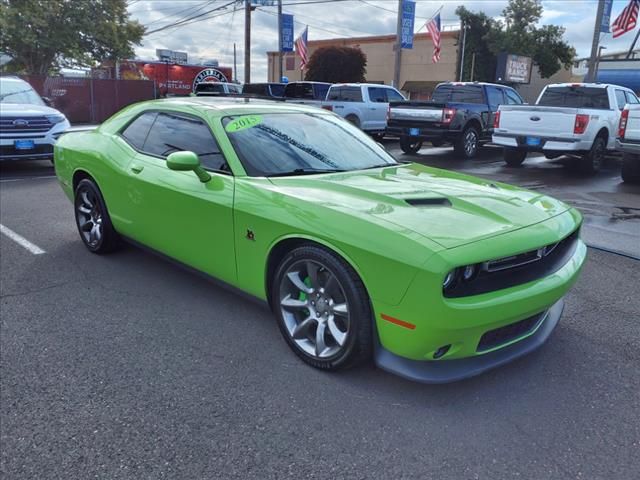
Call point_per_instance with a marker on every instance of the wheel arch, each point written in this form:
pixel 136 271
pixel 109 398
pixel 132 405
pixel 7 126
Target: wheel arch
pixel 476 123
pixel 280 247
pixel 80 175
pixel 603 132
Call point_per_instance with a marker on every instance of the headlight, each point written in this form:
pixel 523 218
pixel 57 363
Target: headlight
pixel 466 273
pixel 56 118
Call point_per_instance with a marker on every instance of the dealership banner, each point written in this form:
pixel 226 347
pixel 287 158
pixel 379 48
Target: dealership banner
pixel 287 32
pixel 606 17
pixel 513 68
pixel 408 19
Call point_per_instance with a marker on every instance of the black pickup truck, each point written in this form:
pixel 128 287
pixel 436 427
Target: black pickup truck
pixel 459 113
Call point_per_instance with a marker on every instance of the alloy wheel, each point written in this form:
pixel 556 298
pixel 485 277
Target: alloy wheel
pixel 315 309
pixel 470 142
pixel 90 217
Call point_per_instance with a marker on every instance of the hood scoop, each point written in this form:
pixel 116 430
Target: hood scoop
pixel 428 202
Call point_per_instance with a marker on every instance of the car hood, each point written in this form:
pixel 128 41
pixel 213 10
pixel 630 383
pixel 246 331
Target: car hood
pixel 25 110
pixel 448 208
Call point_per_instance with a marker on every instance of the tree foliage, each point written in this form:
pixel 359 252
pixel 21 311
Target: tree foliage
pixel 44 35
pixel 336 65
pixel 518 34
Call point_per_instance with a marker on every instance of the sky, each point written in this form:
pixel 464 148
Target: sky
pixel 221 23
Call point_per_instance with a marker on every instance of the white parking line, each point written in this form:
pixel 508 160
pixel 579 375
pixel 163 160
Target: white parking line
pixel 6 180
pixel 20 240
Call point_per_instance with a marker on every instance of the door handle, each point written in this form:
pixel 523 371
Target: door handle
pixel 137 168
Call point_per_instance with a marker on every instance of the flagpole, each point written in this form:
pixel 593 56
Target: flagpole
pixel 633 44
pixel 594 44
pixel 431 18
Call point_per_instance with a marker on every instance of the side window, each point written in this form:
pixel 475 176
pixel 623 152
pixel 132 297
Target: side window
pixel 512 98
pixel 137 131
pixel 377 94
pixel 631 98
pixel 351 94
pixel 393 95
pixel 495 96
pixel 335 93
pixel 320 91
pixel 621 99
pixel 174 133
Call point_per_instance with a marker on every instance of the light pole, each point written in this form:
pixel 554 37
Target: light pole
pixel 595 73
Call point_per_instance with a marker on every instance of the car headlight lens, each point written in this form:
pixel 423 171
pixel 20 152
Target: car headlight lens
pixel 466 273
pixel 56 118
pixel 449 279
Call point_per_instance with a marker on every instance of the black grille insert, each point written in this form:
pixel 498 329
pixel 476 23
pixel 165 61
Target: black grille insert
pixel 500 336
pixel 24 124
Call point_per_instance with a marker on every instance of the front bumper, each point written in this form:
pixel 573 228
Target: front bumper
pixel 627 146
pixel 43 143
pixel 454 370
pixel 424 133
pixel 547 144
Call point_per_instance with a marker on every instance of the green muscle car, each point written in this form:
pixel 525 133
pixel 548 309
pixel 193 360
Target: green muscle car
pixel 435 275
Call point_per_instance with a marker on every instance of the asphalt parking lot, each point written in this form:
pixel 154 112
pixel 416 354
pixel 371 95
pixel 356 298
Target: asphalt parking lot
pixel 127 366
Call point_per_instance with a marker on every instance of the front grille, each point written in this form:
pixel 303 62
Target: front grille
pixel 39 150
pixel 500 336
pixel 15 124
pixel 517 269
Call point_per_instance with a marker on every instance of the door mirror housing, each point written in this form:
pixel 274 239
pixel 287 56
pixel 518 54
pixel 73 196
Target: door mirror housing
pixel 187 161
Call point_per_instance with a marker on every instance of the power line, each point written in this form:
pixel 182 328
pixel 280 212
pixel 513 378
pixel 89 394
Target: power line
pixel 194 19
pixel 194 9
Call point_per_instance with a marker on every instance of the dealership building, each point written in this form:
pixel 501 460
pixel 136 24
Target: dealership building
pixel 418 74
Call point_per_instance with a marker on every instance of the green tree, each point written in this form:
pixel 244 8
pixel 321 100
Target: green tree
pixel 519 34
pixel 44 35
pixel 337 64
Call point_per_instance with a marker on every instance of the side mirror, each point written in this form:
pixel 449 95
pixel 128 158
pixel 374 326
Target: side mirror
pixel 47 101
pixel 185 161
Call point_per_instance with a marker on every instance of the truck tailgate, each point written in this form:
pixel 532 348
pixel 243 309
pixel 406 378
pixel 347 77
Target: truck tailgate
pixel 633 125
pixel 428 112
pixel 537 121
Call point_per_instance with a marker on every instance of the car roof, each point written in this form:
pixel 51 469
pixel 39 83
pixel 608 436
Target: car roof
pixel 235 105
pixel 358 84
pixel 498 85
pixel 589 85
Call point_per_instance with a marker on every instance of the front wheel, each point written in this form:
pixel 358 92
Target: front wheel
pixel 410 145
pixel 467 144
pixel 630 168
pixel 322 308
pixel 514 157
pixel 92 219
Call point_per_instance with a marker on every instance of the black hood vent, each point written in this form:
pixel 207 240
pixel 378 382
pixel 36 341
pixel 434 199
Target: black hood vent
pixel 429 202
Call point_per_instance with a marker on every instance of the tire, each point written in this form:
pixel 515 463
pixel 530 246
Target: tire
pixel 592 161
pixel 631 168
pixel 409 145
pixel 92 219
pixel 353 120
pixel 325 337
pixel 514 157
pixel 467 143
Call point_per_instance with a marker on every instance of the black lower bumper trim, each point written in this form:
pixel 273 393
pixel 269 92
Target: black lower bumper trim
pixel 445 371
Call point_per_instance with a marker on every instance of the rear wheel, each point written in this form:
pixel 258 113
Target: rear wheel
pixel 322 308
pixel 514 157
pixel 353 120
pixel 631 168
pixel 467 144
pixel 92 218
pixel 410 144
pixel 593 160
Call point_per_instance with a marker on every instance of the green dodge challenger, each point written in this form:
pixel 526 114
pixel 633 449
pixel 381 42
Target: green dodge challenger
pixel 436 275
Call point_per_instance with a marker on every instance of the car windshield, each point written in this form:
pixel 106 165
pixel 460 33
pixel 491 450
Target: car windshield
pixel 210 88
pixel 278 144
pixel 18 92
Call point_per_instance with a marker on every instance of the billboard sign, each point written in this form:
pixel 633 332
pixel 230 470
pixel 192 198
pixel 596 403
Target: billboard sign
pixel 513 68
pixel 287 33
pixel 408 19
pixel 171 56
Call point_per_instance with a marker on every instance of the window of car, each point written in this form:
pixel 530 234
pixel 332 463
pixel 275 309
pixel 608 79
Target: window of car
pixel 575 96
pixel 621 98
pixel 18 91
pixel 234 88
pixel 345 94
pixel 298 143
pixel 136 132
pixel 631 98
pixel 209 88
pixel 377 94
pixel 495 96
pixel 512 97
pixel 299 90
pixel 175 133
pixel 394 96
pixel 458 93
pixel 320 90
pixel 277 90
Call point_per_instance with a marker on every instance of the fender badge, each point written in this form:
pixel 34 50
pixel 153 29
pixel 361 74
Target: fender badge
pixel 250 235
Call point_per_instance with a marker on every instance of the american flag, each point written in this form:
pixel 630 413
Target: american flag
pixel 301 48
pixel 434 29
pixel 627 20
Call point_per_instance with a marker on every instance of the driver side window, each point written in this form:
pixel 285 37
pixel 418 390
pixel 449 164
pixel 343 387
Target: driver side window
pixel 174 133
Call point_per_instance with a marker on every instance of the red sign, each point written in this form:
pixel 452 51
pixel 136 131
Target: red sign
pixel 173 78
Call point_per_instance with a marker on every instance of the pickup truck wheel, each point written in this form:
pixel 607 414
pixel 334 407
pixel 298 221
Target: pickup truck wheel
pixel 467 144
pixel 514 157
pixel 353 120
pixel 410 145
pixel 631 168
pixel 592 161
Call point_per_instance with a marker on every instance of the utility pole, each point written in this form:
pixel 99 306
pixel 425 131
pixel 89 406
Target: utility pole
pixel 235 64
pixel 590 77
pixel 247 41
pixel 279 79
pixel 398 48
pixel 464 41
pixel 473 65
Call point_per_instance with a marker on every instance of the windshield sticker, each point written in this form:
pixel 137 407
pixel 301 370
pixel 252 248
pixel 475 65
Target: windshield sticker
pixel 241 123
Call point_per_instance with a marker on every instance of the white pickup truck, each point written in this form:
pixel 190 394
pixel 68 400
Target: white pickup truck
pixel 628 142
pixel 363 104
pixel 576 119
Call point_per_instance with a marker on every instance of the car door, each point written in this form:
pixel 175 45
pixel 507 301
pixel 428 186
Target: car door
pixel 495 98
pixel 174 212
pixel 377 108
pixel 381 113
